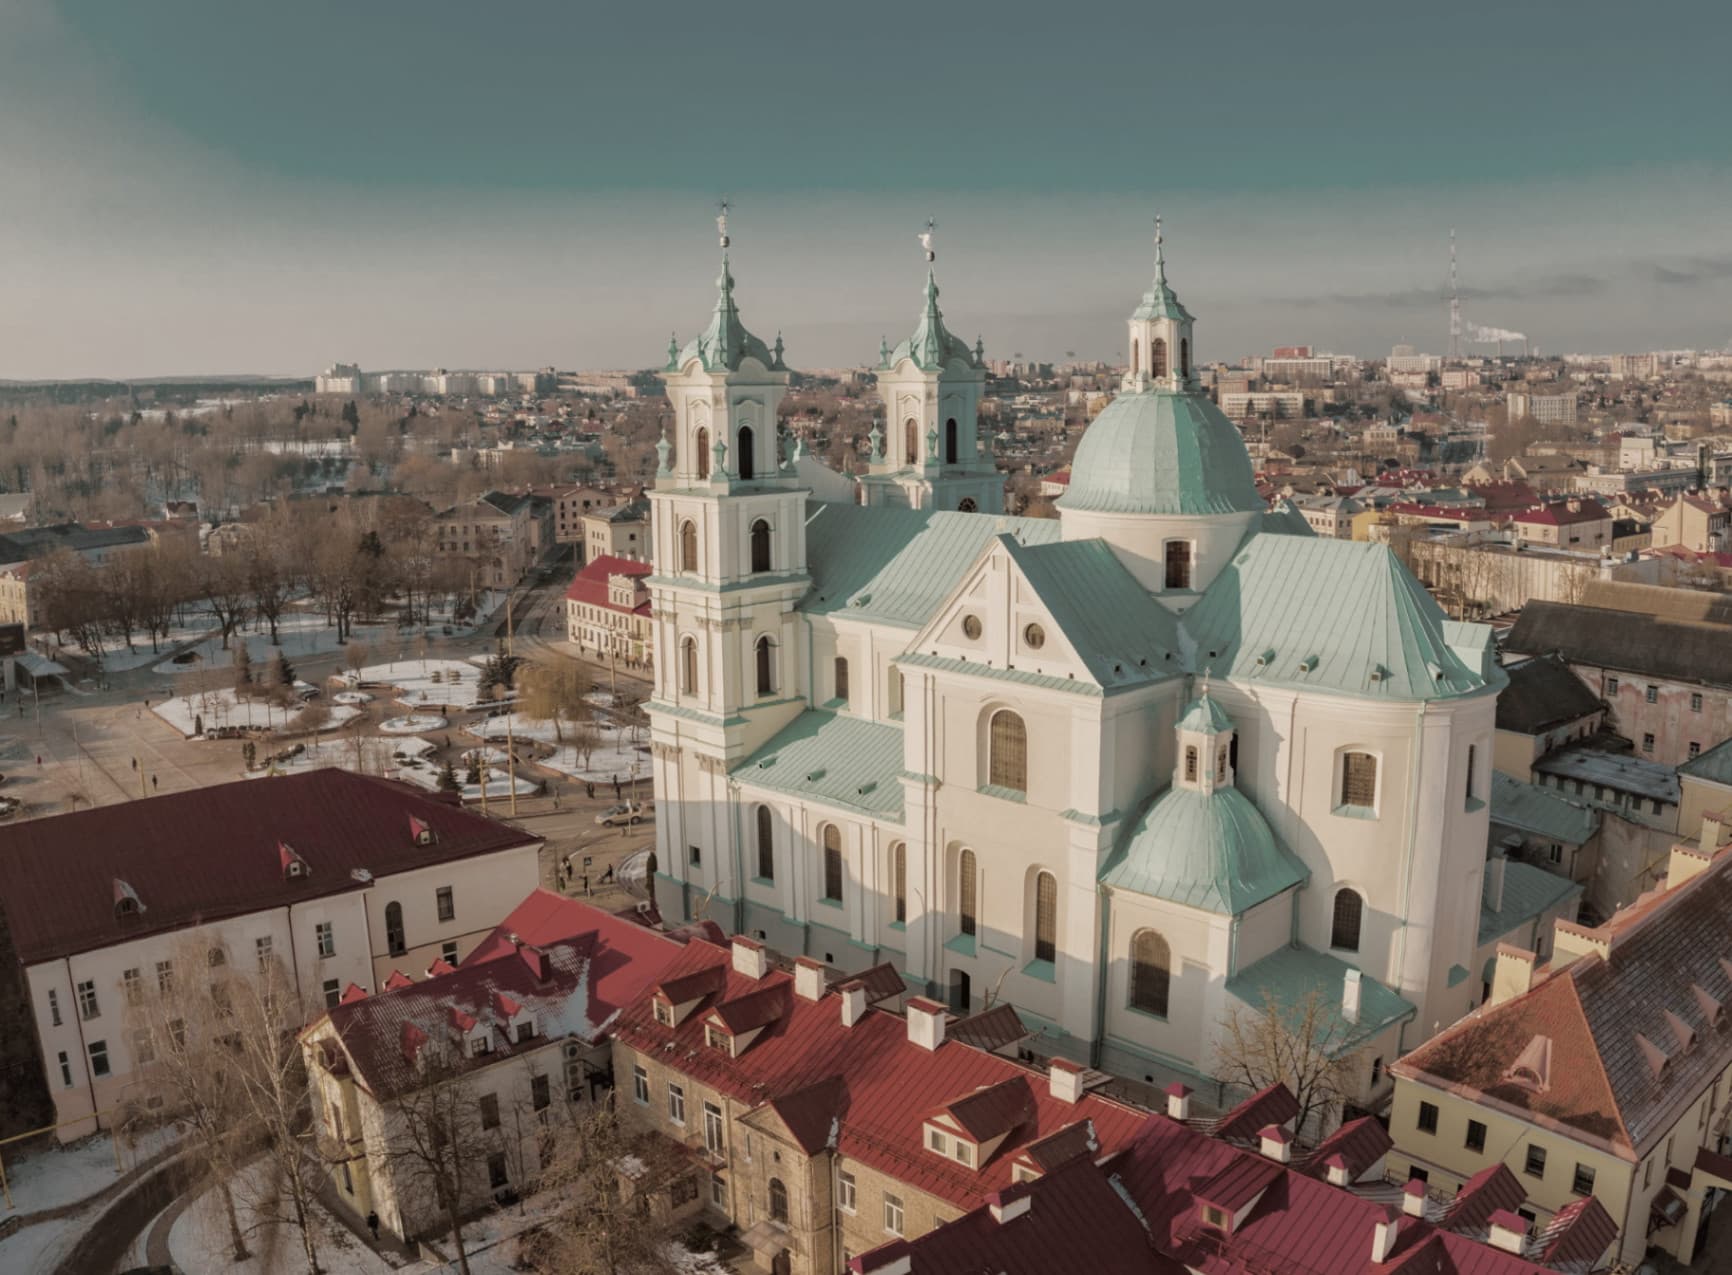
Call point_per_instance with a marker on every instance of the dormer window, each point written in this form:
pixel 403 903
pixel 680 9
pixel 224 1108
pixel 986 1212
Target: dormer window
pixel 718 1039
pixel 1215 1217
pixel 126 900
pixel 936 1140
pixel 480 1043
pixel 421 831
pixel 664 1013
pixel 964 1153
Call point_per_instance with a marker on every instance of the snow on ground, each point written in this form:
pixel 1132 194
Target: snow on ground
pixel 52 1176
pixel 43 1246
pixel 199 1240
pixel 413 724
pixel 614 752
pixel 222 707
pixel 414 680
pixel 376 757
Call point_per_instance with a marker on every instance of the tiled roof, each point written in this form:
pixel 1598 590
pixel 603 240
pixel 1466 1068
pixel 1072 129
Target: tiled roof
pixel 1544 812
pixel 1603 1017
pixel 1274 616
pixel 1528 892
pixel 1286 977
pixel 834 758
pixel 591 584
pixel 886 1080
pixel 210 853
pixel 1543 693
pixel 1626 641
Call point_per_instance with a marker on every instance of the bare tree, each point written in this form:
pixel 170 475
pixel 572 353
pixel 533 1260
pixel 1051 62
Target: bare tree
pixel 1303 1046
pixel 436 1145
pixel 267 581
pixel 222 583
pixel 553 689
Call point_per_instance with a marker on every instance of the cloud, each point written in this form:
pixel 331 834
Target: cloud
pixel 1544 287
pixel 1697 271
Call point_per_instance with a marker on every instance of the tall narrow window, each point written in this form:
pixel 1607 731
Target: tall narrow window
pixel 1470 761
pixel 1185 357
pixel 744 461
pixel 832 863
pixel 689 665
pixel 911 441
pixel 841 679
pixel 967 893
pixel 950 441
pixel 898 686
pixel 1007 744
pixel 778 1201
pixel 1178 564
pixel 1190 763
pixel 1359 780
pixel 395 939
pixel 766 845
pixel 1151 972
pixel 899 880
pixel 1158 357
pixel 1349 915
pixel 1045 917
pixel 688 546
pixel 760 545
pixel 1135 368
pixel 766 658
pixel 701 454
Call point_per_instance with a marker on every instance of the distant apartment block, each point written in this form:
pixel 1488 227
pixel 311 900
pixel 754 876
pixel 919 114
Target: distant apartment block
pixel 1547 409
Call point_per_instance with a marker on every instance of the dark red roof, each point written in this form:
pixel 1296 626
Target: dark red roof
pixel 1240 1181
pixel 1273 1105
pixel 991 1029
pixel 1559 513
pixel 1061 1147
pixel 1578 1234
pixel 1491 1191
pixel 590 585
pixel 993 1111
pixel 1359 1144
pixel 753 1010
pixel 211 853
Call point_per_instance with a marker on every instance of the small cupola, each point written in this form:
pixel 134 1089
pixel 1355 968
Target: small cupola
pixel 1160 335
pixel 294 867
pixel 1205 755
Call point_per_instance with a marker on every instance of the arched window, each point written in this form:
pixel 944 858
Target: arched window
pixel 967 893
pixel 766 657
pixel 967 505
pixel 950 441
pixel 832 863
pixel 1134 353
pixel 841 680
pixel 1359 780
pixel 1349 914
pixel 1190 763
pixel 1178 564
pixel 1151 972
pixel 778 1201
pixel 898 689
pixel 1220 765
pixel 701 454
pixel 1007 745
pixel 899 880
pixel 1045 917
pixel 689 665
pixel 1158 357
pixel 911 441
pixel 744 459
pixel 395 941
pixel 1185 357
pixel 766 845
pixel 760 545
pixel 688 546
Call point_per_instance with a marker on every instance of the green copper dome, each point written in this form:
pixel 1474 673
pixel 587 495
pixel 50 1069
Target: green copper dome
pixel 726 343
pixel 932 345
pixel 1213 851
pixel 1162 451
pixel 1206 717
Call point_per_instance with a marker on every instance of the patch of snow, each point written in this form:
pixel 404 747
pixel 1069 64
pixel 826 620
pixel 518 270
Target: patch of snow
pixel 413 724
pixel 199 1239
pixel 215 709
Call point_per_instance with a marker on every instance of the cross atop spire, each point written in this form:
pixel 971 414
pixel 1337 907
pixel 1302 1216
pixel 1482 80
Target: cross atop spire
pixel 722 206
pixel 1160 253
pixel 926 241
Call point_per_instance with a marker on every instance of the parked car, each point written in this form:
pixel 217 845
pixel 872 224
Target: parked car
pixel 626 812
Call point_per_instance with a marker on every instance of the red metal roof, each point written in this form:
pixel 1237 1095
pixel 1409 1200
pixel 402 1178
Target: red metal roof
pixel 1273 1105
pixel 590 585
pixel 211 853
pixel 1559 513
pixel 1491 1191
pixel 1578 1234
pixel 1359 1144
pixel 993 1111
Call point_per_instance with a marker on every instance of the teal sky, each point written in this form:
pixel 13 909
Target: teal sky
pixel 203 186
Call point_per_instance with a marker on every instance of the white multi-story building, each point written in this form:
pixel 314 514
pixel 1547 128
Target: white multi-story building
pixel 1126 769
pixel 339 378
pixel 1547 409
pixel 334 877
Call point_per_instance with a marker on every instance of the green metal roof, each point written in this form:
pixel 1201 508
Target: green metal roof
pixel 1715 765
pixel 1327 614
pixel 1206 850
pixel 1160 301
pixel 932 345
pixel 1206 716
pixel 832 758
pixel 1544 812
pixel 1284 980
pixel 725 344
pixel 1162 451
pixel 1285 519
pixel 1020 676
pixel 1528 892
pixel 1118 630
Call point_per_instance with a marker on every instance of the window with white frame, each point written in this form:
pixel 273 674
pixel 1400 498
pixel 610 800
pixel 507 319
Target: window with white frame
pixel 846 1195
pixel 640 1085
pixel 893 1213
pixel 325 938
pixel 676 1103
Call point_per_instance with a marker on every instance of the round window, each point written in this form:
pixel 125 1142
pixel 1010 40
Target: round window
pixel 1034 637
pixel 971 627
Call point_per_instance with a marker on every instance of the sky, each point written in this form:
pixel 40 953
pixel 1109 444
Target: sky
pixel 199 186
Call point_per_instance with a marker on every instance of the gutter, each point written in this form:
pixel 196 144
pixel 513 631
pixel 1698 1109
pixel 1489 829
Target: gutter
pixel 84 1048
pixel 1097 1045
pixel 1411 838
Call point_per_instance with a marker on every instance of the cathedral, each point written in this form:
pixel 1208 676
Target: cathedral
pixel 1164 759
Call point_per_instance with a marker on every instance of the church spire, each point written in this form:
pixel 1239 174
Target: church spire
pixel 1160 333
pixel 726 342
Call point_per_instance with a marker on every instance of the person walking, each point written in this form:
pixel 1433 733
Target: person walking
pixel 373 1223
pixel 616 787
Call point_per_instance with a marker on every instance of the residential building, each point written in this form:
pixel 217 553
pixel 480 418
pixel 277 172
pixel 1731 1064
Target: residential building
pixel 607 609
pixel 979 747
pixel 570 505
pixel 617 531
pixel 1403 358
pixel 17 604
pixel 522 1026
pixel 1581 525
pixel 338 877
pixel 339 378
pixel 492 533
pixel 1546 409
pixel 828 1122
pixel 1329 516
pixel 1697 523
pixel 1544 707
pixel 1600 1073
pixel 1279 404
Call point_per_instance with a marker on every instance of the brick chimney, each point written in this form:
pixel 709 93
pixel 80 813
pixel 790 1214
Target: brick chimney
pixel 749 957
pixel 925 1022
pixel 808 978
pixel 853 1002
pixel 1064 1080
pixel 1179 1101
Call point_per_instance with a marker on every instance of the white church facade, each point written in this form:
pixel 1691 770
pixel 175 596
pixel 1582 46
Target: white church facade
pixel 1165 754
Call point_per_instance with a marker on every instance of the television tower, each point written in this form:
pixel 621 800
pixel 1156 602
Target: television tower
pixel 1454 303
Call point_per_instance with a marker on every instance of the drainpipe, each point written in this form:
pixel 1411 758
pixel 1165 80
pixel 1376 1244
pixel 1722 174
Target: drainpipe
pixel 83 1048
pixel 739 880
pixel 1097 1046
pixel 1412 836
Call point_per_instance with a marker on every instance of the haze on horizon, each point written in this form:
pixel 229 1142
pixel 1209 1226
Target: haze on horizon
pixel 195 187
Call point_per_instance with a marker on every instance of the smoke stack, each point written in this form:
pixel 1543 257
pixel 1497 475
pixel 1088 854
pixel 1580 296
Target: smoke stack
pixel 1350 996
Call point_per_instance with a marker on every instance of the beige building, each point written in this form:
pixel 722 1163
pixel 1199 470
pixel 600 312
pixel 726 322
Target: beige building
pixel 619 531
pixel 1605 1071
pixel 1547 409
pixel 1697 523
pixel 337 878
pixel 1580 525
pixel 17 605
pixel 571 505
pixel 492 533
pixel 607 609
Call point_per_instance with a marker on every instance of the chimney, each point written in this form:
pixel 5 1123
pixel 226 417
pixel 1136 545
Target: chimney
pixel 853 1002
pixel 1383 1238
pixel 894 1264
pixel 1688 862
pixel 1714 830
pixel 1413 1198
pixel 1495 866
pixel 1008 1210
pixel 1276 1144
pixel 808 978
pixel 1064 1080
pixel 1339 1174
pixel 1508 1231
pixel 925 1022
pixel 1514 974
pixel 1179 1101
pixel 749 958
pixel 1350 996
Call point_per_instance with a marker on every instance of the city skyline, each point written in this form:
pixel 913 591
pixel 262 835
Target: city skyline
pixel 196 192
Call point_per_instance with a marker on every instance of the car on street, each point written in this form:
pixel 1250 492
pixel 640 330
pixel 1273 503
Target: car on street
pixel 626 812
